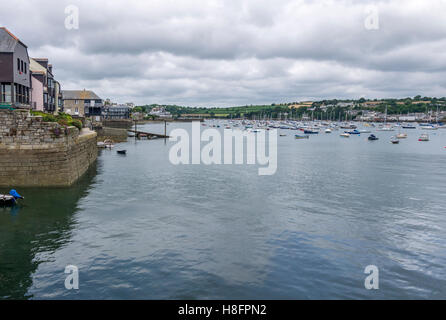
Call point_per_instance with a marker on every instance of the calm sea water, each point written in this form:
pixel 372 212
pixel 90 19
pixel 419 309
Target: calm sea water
pixel 138 227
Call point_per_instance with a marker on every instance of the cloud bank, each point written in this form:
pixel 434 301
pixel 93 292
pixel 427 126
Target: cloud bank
pixel 222 53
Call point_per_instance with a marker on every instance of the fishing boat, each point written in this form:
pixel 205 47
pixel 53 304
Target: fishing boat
pixel 424 137
pixel 345 135
pixel 8 200
pixel 372 137
pixel 301 136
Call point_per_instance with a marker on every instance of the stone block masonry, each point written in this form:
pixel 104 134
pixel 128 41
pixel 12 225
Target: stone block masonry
pixel 37 153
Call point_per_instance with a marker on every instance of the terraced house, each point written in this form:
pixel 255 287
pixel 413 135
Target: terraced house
pixel 45 90
pixel 14 71
pixel 82 103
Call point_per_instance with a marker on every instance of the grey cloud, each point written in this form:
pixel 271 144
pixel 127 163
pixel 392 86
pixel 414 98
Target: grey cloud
pixel 238 52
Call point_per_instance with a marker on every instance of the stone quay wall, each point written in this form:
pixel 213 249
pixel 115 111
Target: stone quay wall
pixel 37 153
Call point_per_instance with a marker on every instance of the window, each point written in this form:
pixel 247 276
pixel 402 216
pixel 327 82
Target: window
pixel 25 68
pixel 16 93
pixel 18 64
pixel 76 101
pixel 76 110
pixel 21 65
pixel 5 93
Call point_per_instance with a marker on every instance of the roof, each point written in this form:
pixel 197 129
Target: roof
pixel 8 41
pixel 36 67
pixel 79 95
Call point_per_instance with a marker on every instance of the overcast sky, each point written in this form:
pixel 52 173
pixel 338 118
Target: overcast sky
pixel 223 53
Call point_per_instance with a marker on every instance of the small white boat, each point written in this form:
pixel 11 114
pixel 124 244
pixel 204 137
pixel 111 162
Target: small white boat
pixel 429 127
pixel 424 137
pixel 394 140
pixel 401 136
pixel 386 129
pixel 328 130
pixel 108 143
pixel 364 131
pixel 345 135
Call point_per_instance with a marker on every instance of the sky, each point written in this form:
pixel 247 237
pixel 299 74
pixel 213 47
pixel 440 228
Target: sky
pixel 227 53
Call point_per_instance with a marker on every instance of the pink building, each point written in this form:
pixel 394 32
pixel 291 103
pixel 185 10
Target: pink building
pixel 37 79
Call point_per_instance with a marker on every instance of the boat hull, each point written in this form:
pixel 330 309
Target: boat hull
pixel 7 201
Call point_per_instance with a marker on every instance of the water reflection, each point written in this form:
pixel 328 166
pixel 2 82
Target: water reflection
pixel 42 222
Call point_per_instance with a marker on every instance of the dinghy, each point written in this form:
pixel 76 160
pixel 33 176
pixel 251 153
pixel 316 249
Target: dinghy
pixel 10 199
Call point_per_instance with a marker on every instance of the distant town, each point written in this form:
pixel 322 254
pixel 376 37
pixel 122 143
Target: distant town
pixel 418 108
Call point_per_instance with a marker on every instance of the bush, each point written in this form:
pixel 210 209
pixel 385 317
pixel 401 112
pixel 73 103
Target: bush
pixel 62 118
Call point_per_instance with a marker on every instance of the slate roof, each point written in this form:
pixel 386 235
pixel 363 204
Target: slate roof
pixel 8 41
pixel 79 95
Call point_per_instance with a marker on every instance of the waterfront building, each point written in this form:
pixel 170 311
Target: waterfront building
pixel 116 112
pixel 160 112
pixel 45 91
pixel 82 103
pixel 14 71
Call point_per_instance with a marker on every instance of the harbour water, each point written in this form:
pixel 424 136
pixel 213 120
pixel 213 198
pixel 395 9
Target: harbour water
pixel 139 227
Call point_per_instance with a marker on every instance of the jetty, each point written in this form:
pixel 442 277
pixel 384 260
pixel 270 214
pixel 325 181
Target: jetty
pixel 148 135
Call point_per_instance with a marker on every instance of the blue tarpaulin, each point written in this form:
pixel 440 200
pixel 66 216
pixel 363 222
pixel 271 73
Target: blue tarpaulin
pixel 15 194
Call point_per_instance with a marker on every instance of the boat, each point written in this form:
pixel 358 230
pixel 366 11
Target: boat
pixel 122 151
pixel 394 140
pixel 101 145
pixel 353 132
pixel 372 137
pixel 328 130
pixel 401 136
pixel 424 137
pixel 282 135
pixel 348 126
pixel 387 128
pixel 310 131
pixel 301 136
pixel 108 143
pixel 408 126
pixel 364 131
pixel 429 127
pixel 345 135
pixel 8 200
